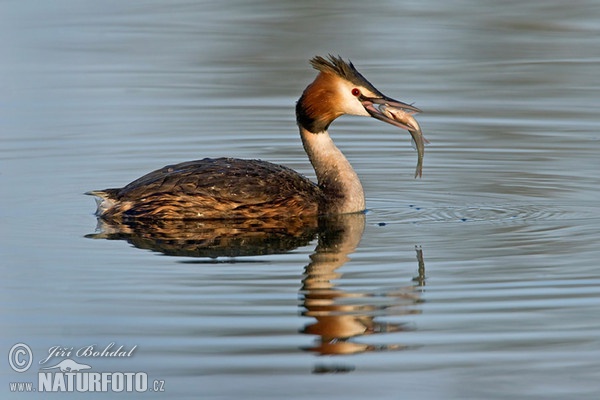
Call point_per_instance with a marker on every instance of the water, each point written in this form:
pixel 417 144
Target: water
pixel 479 281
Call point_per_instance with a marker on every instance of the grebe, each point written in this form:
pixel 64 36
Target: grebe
pixel 226 188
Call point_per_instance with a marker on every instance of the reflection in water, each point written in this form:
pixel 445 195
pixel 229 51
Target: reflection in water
pixel 340 316
pixel 212 238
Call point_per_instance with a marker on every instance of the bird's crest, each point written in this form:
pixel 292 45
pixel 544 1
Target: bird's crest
pixel 343 69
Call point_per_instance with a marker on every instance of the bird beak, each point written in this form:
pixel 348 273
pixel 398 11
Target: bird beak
pixel 369 105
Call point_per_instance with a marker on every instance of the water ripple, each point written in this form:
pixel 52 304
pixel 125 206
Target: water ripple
pixel 415 213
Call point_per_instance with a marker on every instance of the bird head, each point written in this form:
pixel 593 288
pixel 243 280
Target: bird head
pixel 340 89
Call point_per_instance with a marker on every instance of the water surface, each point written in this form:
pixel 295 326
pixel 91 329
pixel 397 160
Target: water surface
pixel 480 280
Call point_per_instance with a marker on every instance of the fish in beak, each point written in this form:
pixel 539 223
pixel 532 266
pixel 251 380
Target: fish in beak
pixel 399 114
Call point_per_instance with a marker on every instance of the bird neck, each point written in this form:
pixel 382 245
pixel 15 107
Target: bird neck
pixel 340 184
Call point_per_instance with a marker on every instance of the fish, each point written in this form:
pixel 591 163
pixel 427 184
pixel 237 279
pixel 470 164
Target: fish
pixel 416 134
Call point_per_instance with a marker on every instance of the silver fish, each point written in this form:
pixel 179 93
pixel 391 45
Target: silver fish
pixel 418 139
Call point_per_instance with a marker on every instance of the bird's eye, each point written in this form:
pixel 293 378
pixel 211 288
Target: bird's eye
pixel 355 92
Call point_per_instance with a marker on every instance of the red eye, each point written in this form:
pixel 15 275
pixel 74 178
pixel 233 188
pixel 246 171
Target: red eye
pixel 355 92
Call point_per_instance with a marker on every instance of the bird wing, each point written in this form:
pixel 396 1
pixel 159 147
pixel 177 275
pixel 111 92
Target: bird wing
pixel 227 178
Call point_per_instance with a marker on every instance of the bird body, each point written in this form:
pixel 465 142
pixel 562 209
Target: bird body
pixel 230 188
pixel 213 188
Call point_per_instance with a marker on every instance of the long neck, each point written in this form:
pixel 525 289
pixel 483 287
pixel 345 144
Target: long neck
pixel 337 179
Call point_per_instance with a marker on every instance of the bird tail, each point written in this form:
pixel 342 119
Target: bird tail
pixel 105 199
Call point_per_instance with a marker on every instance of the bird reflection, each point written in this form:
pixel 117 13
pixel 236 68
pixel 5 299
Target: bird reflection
pixel 340 317
pixel 212 238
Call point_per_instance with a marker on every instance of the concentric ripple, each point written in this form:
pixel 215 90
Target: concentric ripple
pixel 416 213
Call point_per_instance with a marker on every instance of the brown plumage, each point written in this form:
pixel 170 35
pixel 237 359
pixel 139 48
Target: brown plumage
pixel 213 188
pixel 229 188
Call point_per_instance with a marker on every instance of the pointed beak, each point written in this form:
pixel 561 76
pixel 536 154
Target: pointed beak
pixel 369 105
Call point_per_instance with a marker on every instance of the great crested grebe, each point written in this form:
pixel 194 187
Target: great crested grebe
pixel 226 188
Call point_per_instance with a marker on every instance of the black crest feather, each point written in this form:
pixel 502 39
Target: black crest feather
pixel 344 69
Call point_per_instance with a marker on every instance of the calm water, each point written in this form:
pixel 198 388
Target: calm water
pixel 482 280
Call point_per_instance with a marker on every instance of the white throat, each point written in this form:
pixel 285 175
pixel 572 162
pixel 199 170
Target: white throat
pixel 336 177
